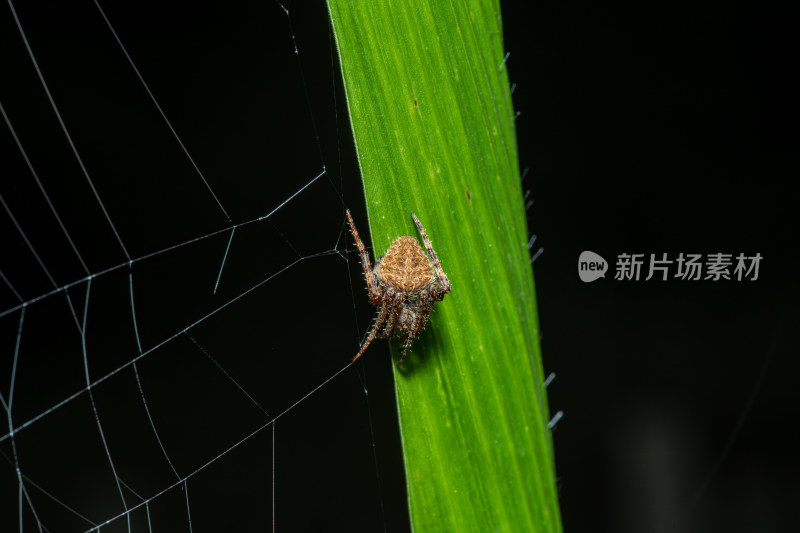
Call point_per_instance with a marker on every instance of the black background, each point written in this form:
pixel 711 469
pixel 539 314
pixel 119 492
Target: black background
pixel 645 129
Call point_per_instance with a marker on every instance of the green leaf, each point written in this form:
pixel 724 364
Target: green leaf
pixel 433 121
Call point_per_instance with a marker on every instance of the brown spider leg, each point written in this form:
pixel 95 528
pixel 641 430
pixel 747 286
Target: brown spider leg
pixel 385 308
pixel 439 271
pixel 401 338
pixel 420 320
pixel 395 309
pixel 372 284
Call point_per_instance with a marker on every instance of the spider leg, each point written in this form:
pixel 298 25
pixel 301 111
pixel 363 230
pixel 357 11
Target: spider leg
pixel 400 338
pixel 372 285
pixel 420 320
pixel 382 314
pixel 395 309
pixel 436 265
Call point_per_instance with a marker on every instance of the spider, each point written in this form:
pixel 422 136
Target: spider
pixel 404 285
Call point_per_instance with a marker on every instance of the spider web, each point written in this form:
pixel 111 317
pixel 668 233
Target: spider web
pixel 179 301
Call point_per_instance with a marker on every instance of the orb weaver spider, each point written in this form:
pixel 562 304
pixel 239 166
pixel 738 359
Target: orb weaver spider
pixel 404 284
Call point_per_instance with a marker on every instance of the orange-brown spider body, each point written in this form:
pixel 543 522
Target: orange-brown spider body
pixel 405 267
pixel 404 285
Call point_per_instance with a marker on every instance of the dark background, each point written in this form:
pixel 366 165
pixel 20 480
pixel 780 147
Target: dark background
pixel 646 129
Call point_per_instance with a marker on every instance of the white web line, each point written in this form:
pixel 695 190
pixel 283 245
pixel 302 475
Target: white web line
pixel 161 111
pixel 10 286
pixel 27 243
pixel 158 252
pixel 22 490
pixel 23 480
pixel 188 509
pixel 223 453
pixel 182 480
pixel 33 484
pixel 91 398
pixel 224 258
pixel 81 324
pixel 227 375
pixel 159 345
pixel 23 493
pixel 139 381
pixel 94 190
pixel 41 188
pixel 64 128
pixel 273 476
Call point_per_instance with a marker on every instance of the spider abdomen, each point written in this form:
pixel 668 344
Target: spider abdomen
pixel 405 267
pixel 404 285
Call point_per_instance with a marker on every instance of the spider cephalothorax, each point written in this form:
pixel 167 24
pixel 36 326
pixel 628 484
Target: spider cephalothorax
pixel 404 285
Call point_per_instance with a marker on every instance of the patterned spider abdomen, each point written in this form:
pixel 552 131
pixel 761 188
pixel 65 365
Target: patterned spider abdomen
pixel 405 267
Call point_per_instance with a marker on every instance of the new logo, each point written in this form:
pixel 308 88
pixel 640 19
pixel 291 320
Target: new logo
pixel 591 266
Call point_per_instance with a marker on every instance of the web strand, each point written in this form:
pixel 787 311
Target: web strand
pixel 22 492
pixel 227 375
pixel 160 110
pixel 159 345
pixel 27 242
pixel 64 128
pixel 10 286
pixel 273 476
pixel 188 508
pixel 374 450
pixel 224 258
pixel 156 253
pixel 91 398
pixel 32 483
pixel 90 385
pixel 223 453
pixel 139 382
pixel 43 191
pixel 87 381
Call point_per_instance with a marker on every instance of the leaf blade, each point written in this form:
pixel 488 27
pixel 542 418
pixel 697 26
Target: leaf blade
pixel 433 122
